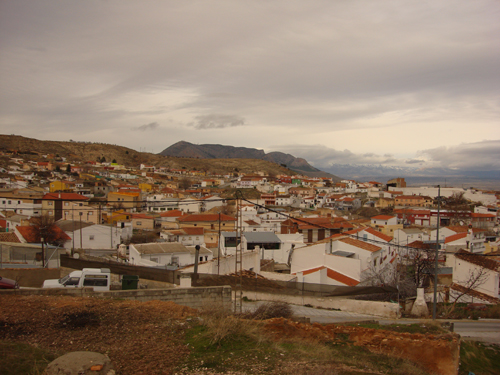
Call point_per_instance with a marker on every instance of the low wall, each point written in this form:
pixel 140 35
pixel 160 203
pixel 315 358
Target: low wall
pixel 381 309
pixel 149 273
pixel 191 297
pixel 30 277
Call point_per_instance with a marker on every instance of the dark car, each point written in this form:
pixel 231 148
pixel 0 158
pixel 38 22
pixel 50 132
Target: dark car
pixel 8 283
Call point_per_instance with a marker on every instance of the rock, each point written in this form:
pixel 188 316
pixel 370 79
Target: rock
pixel 78 363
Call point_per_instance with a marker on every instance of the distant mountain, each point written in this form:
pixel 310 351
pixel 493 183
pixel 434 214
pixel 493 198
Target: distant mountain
pixel 213 151
pixel 360 171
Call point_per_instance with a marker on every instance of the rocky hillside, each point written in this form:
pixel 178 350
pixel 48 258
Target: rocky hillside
pixel 214 151
pixel 33 149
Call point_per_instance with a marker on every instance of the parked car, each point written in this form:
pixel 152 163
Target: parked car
pixel 8 283
pixel 98 278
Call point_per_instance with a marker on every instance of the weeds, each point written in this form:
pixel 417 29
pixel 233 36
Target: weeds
pixel 271 310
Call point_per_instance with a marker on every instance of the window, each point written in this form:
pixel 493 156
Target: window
pixel 139 223
pixel 91 237
pixel 73 281
pixel 66 203
pixel 91 213
pixel 51 203
pixel 9 202
pixel 95 280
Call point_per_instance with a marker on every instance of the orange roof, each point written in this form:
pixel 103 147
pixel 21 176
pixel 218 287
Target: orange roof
pixel 360 244
pixel 481 215
pixel 376 233
pixel 31 235
pixel 141 216
pixel 9 237
pixel 193 230
pixel 455 237
pixel 172 213
pixel 333 275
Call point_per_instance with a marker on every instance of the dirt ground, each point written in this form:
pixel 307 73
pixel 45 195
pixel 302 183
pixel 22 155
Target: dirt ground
pixel 148 337
pixel 127 331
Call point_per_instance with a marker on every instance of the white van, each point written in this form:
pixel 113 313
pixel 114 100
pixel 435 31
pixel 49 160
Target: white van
pixel 97 278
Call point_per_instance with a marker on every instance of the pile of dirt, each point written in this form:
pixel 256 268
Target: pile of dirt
pixel 139 337
pixel 438 354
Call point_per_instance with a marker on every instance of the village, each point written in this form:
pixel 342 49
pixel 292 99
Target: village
pixel 289 228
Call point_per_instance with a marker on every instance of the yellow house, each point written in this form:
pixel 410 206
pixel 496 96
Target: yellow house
pixel 116 216
pixel 145 187
pixel 62 186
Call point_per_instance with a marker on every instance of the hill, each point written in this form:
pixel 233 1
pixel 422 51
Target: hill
pixel 215 151
pixel 78 152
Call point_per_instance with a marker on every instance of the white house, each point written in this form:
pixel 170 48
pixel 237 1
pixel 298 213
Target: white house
pixel 472 240
pixel 348 261
pixel 90 236
pixel 474 276
pixel 187 236
pixel 165 254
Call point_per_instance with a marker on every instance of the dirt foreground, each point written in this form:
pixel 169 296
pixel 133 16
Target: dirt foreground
pixel 148 337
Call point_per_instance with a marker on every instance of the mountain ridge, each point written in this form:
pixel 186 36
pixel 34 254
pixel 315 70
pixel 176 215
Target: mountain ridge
pixel 217 151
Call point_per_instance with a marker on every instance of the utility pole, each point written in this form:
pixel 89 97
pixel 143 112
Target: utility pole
pixel 434 306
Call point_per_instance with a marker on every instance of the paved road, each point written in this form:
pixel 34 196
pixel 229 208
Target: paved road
pixel 486 330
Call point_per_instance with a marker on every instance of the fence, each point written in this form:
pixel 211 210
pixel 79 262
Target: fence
pixel 255 284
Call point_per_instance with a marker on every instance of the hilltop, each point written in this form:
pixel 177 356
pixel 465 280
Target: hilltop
pixel 34 149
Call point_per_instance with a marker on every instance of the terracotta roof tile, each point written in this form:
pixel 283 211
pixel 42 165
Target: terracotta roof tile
pixel 360 244
pixel 455 237
pixel 9 237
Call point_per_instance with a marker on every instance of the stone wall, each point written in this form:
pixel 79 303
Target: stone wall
pixel 191 297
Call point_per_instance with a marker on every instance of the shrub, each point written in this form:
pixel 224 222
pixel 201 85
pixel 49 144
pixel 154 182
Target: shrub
pixel 271 310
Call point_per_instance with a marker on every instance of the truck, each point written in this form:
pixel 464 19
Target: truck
pixel 97 278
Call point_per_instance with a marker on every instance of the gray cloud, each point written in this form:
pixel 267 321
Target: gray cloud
pixel 479 156
pixel 217 121
pixel 414 161
pixel 150 126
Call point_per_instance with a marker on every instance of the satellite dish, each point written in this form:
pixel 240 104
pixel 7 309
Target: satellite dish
pixel 462 222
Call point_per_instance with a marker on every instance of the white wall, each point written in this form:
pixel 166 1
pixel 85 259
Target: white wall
pixel 462 273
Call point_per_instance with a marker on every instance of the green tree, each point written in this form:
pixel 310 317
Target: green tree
pixel 68 168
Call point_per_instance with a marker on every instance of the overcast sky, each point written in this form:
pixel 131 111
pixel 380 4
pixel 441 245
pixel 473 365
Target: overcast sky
pixel 413 83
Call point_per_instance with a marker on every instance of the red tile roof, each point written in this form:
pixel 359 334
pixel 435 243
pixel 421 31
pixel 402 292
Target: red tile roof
pixel 193 231
pixel 455 237
pixel 360 244
pixel 172 213
pixel 378 234
pixel 9 237
pixel 333 275
pixel 31 235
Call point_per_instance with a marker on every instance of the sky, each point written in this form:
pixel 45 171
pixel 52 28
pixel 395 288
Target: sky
pixel 393 83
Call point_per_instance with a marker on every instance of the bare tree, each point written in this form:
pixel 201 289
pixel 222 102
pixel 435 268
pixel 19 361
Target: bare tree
pixel 475 278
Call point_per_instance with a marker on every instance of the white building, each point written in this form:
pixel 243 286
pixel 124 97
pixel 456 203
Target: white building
pixel 165 254
pixel 90 236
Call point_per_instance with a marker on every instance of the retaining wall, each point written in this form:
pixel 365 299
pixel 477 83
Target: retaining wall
pixel 191 297
pixel 381 309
